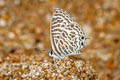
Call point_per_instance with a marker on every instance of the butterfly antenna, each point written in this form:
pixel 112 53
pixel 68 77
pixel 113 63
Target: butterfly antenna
pixel 44 50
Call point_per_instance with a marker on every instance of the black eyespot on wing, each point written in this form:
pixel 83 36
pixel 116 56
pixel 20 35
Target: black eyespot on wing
pixel 82 43
pixel 82 37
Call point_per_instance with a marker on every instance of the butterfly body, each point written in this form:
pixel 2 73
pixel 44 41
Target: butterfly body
pixel 67 36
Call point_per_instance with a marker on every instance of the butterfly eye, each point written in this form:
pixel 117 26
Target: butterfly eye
pixel 50 53
pixel 82 37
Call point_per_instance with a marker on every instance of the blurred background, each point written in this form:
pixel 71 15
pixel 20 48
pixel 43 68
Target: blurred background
pixel 25 24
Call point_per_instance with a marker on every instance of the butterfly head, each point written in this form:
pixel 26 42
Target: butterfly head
pixel 52 54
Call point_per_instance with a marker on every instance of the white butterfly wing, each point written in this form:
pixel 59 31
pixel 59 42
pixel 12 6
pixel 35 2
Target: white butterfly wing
pixel 65 34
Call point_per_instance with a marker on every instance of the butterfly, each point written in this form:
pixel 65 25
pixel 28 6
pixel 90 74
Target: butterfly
pixel 67 37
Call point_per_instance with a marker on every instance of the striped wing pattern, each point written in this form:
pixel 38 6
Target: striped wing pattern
pixel 65 35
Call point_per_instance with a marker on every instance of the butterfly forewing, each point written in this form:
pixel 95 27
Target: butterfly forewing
pixel 65 35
